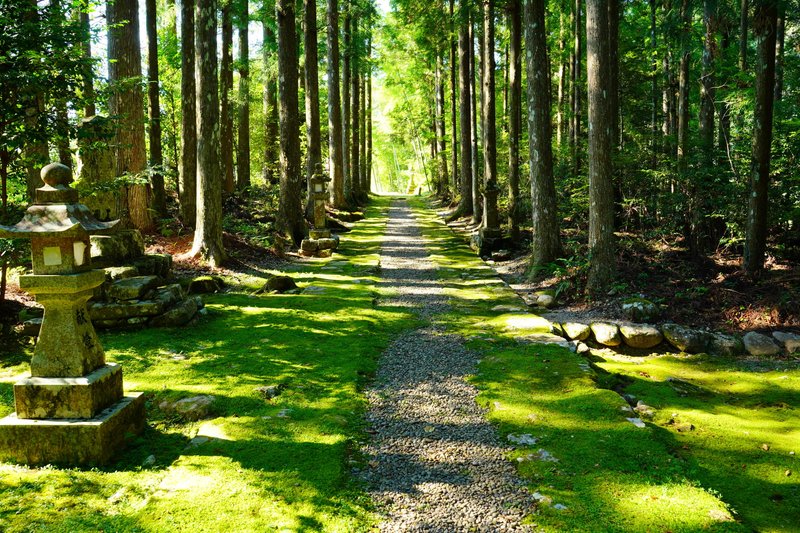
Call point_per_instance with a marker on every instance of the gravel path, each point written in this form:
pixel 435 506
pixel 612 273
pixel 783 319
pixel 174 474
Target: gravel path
pixel 435 463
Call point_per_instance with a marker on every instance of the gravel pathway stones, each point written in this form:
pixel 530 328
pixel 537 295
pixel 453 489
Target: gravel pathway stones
pixel 435 463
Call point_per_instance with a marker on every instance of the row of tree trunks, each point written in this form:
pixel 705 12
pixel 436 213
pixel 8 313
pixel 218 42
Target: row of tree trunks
pixel 514 114
pixel 154 107
pixel 314 153
pixel 225 89
pixel 335 136
pixel 243 149
pixel 188 166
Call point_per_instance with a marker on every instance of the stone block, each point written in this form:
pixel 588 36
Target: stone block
pixel 205 284
pixel 76 442
pixel 576 331
pixel 606 334
pixel 328 244
pixel 177 316
pixel 106 311
pixel 83 397
pixel 640 309
pixel 319 234
pixel 324 253
pixel 120 272
pixel 132 288
pixel 154 265
pixel 309 245
pixel 640 335
pixel 118 248
pixel 789 341
pixel 686 339
pixel 729 345
pixel 758 344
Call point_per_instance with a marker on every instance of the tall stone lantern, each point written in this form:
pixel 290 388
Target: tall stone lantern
pixel 72 409
pixel 320 242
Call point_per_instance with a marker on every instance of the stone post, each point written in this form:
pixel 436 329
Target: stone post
pixel 97 169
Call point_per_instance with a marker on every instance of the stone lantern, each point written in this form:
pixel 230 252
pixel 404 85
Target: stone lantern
pixel 72 409
pixel 320 242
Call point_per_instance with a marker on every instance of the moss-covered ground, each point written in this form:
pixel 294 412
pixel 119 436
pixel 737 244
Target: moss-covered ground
pixel 715 456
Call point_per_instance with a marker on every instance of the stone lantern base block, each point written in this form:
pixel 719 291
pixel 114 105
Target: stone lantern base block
pixel 322 247
pixel 87 442
pixel 317 234
pixel 83 397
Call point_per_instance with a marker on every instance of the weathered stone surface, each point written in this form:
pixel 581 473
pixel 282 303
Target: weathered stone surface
pixel 556 329
pixel 154 265
pixel 177 316
pixel 758 344
pixel 309 245
pixel 169 294
pixel 116 249
pixel 269 391
pixel 686 339
pixel 606 334
pixel 328 244
pixel 67 344
pixel 84 442
pixel 205 284
pixel 114 273
pixel 729 345
pixel 546 298
pixel 279 284
pixel 324 253
pixel 577 331
pixel 789 341
pixel 640 309
pixel 193 408
pixel 319 234
pixel 640 335
pixel 501 255
pixel 132 288
pixel 102 311
pixel 82 397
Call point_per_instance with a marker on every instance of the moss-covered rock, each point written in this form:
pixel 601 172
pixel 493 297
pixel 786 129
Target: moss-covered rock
pixel 640 309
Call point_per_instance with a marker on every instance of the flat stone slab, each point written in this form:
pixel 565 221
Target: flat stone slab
pixel 132 288
pixel 75 442
pixel 83 397
pixel 640 335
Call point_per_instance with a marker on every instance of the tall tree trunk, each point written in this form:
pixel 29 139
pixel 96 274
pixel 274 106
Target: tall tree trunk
pixel 243 148
pixel 346 82
pixel 314 151
pixel 441 134
pixel 765 22
pixel 476 92
pixel 270 108
pixel 602 266
pixel 724 129
pixel 125 64
pixel 575 128
pixel 335 156
pixel 488 116
pixel 188 169
pixel 368 174
pixel 89 109
pixel 453 99
pixel 354 110
pixel 466 205
pixel 362 128
pixel 546 243
pixel 743 15
pixel 781 39
pixel 683 87
pixel 613 74
pixel 290 211
pixel 208 233
pixel 154 106
pixel 515 113
pixel 654 143
pixel 225 89
pixel 562 125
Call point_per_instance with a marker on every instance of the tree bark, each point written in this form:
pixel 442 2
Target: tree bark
pixel 743 15
pixel 225 89
pixel 335 160
pixel 188 169
pixel 125 64
pixel 613 75
pixel 602 266
pixel 208 233
pixel 89 109
pixel 476 92
pixel 243 148
pixel 441 135
pixel 355 109
pixel 453 99
pixel 290 210
pixel 654 142
pixel 488 115
pixel 466 205
pixel 575 95
pixel 562 125
pixel 546 243
pixel 765 21
pixel 362 127
pixel 368 174
pixel 314 154
pixel 346 82
pixel 781 39
pixel 683 87
pixel 154 106
pixel 270 108
pixel 514 114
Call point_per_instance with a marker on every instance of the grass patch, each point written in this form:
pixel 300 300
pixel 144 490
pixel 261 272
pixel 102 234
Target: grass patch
pixel 257 464
pixel 608 474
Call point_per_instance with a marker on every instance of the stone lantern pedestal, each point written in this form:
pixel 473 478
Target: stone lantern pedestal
pixel 320 243
pixel 72 409
pixel 490 233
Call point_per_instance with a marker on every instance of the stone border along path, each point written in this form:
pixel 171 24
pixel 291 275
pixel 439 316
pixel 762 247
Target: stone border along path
pixel 435 463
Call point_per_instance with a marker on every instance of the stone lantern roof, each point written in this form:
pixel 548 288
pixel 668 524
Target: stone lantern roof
pixel 57 212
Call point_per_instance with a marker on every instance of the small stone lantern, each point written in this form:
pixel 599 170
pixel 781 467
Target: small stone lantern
pixel 72 409
pixel 491 223
pixel 320 242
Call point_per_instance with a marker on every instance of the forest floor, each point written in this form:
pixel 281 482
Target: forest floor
pixel 712 447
